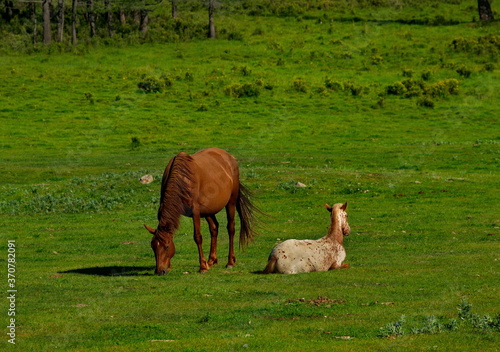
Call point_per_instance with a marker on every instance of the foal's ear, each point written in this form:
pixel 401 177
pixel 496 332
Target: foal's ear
pixel 329 208
pixel 344 206
pixel 151 231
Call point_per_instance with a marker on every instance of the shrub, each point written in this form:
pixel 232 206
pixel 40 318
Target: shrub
pixel 90 97
pixel 489 44
pixel 426 75
pixel 443 88
pixel 432 325
pixel 489 67
pixel 348 87
pixel 235 36
pixel 135 143
pixel 166 80
pixel 286 10
pixel 407 72
pixel 397 88
pixel 378 104
pixel 299 85
pixel 243 70
pixel 413 88
pixel 377 60
pixel 154 84
pixel 393 329
pixel 259 82
pixel 464 71
pixel 354 89
pixel 189 77
pixel 242 90
pixel 322 91
pixel 333 85
pixel 425 102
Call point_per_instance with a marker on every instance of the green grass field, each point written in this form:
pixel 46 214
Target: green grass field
pixel 394 111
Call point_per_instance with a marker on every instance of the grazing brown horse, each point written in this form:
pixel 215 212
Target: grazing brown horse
pixel 326 253
pixel 199 186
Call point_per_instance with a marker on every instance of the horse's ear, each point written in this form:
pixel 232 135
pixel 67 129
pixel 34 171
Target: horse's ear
pixel 329 208
pixel 151 231
pixel 344 206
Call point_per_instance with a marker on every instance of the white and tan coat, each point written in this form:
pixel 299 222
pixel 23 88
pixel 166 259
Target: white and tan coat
pixel 300 256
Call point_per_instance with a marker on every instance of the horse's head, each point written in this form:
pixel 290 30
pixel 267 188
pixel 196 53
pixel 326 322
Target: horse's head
pixel 339 210
pixel 163 246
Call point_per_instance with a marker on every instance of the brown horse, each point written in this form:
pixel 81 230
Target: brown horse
pixel 199 186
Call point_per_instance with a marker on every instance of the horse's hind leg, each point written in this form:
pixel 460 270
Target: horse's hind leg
pixel 271 265
pixel 230 212
pixel 213 225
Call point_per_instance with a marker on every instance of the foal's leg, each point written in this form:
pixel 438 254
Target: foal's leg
pixel 230 211
pixel 213 225
pixel 339 266
pixel 199 241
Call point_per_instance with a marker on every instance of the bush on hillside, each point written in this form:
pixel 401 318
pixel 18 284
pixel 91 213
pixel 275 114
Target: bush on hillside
pixel 348 87
pixel 154 84
pixel 242 90
pixel 413 88
pixel 489 44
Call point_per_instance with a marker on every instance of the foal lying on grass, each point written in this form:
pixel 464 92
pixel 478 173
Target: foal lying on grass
pixel 326 253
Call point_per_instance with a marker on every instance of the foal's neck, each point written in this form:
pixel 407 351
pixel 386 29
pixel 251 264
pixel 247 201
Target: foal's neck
pixel 335 232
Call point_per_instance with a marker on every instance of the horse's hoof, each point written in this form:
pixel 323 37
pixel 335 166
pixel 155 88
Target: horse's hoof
pixel 203 271
pixel 230 266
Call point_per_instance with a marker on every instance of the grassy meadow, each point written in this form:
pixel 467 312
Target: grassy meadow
pixel 394 110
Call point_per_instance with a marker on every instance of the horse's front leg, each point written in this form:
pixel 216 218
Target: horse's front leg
pixel 230 212
pixel 339 266
pixel 213 225
pixel 199 241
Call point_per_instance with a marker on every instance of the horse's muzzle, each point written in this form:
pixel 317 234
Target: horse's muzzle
pixel 161 272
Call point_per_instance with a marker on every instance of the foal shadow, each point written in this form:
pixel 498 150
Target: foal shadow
pixel 113 271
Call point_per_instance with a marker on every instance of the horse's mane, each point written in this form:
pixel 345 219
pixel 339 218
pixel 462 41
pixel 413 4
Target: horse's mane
pixel 335 225
pixel 175 190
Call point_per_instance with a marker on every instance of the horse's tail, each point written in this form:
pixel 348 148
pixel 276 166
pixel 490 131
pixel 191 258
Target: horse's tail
pixel 271 265
pixel 246 210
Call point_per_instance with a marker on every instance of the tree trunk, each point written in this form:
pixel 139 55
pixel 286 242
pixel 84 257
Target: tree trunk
pixel 47 36
pixel 144 21
pixel 123 18
pixel 484 8
pixel 174 8
pixel 74 9
pixel 137 17
pixel 9 12
pixel 109 15
pixel 60 21
pixel 211 24
pixel 91 17
pixel 32 7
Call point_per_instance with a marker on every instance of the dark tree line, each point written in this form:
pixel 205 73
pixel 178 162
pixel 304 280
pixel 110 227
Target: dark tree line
pixel 96 14
pixel 106 16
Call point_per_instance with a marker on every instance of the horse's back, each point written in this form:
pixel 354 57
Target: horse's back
pixel 216 163
pixel 216 179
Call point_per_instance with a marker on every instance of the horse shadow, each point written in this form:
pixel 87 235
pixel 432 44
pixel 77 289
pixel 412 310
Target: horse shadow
pixel 112 271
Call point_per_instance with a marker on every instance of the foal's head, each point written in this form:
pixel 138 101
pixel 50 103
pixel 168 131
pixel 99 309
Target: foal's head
pixel 339 217
pixel 163 246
